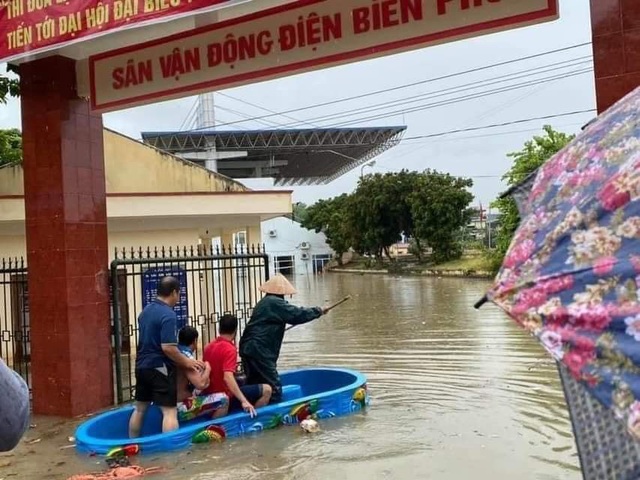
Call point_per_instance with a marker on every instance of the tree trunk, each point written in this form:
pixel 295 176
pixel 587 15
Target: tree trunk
pixel 379 256
pixel 418 249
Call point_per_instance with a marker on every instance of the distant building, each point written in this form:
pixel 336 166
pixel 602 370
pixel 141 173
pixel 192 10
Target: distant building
pixel 482 225
pixel 294 250
pixel 400 249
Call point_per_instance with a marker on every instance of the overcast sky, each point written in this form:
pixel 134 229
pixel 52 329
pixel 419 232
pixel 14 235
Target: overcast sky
pixel 479 154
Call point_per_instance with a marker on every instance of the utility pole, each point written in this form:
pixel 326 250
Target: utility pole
pixel 489 225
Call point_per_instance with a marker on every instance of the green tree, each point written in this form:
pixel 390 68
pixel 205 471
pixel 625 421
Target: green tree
pixel 428 206
pixel 380 212
pixel 9 85
pixel 300 212
pixel 331 218
pixel 440 208
pixel 10 140
pixel 10 146
pixel 534 154
pixel 404 184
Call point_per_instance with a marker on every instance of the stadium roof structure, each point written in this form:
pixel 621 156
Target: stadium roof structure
pixel 291 156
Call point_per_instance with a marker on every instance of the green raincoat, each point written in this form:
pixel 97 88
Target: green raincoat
pixel 262 339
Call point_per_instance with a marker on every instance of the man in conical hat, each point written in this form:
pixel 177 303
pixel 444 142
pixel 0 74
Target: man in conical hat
pixel 262 337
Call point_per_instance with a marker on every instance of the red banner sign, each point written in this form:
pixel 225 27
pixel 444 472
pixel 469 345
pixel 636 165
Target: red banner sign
pixel 30 26
pixel 301 36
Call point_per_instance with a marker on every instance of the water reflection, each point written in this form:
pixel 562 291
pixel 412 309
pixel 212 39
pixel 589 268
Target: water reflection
pixel 455 393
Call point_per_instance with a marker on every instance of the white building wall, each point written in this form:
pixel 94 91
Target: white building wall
pixel 282 237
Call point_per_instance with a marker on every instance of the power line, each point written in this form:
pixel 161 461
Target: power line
pixel 188 118
pixel 497 125
pixel 452 101
pixel 508 103
pixel 528 73
pixel 266 123
pixel 408 85
pixel 462 99
pixel 497 134
pixel 265 109
pixel 511 102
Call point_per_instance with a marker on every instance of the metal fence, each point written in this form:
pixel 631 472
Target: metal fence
pixel 215 281
pixel 15 343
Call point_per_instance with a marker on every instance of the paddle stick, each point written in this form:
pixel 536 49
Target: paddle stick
pixel 329 308
pixel 340 302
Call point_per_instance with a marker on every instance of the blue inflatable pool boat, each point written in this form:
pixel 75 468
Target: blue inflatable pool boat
pixel 307 393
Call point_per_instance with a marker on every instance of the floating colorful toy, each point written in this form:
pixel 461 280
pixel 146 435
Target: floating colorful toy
pixel 126 451
pixel 304 410
pixel 360 396
pixel 200 405
pixel 213 433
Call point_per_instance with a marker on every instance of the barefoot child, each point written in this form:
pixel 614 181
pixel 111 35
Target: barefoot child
pixel 190 384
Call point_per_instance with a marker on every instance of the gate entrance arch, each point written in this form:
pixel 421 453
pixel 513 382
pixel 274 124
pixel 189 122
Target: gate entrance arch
pixel 80 58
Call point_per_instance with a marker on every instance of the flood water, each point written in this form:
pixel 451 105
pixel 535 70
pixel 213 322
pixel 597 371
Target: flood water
pixel 456 393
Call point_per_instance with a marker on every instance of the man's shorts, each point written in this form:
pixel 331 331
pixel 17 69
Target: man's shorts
pixel 153 385
pixel 251 392
pixel 263 371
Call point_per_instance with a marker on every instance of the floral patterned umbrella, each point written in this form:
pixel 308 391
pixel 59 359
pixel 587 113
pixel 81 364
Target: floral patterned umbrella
pixel 571 278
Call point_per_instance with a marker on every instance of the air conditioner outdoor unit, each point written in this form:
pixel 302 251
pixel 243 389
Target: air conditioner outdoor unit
pixel 304 256
pixel 305 246
pixel 273 233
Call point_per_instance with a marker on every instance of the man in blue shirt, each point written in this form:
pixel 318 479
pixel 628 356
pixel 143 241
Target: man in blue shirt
pixel 157 357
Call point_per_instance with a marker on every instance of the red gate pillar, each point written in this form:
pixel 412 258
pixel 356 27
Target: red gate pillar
pixel 615 25
pixel 66 226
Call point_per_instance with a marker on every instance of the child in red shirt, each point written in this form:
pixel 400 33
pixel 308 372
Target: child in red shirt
pixel 222 355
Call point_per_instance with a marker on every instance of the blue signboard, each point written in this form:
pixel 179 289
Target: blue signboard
pixel 150 279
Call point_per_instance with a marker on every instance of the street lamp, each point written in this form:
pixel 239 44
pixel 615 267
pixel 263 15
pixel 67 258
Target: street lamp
pixel 370 164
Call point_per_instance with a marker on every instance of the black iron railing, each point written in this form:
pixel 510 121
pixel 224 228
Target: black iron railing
pixel 15 343
pixel 215 281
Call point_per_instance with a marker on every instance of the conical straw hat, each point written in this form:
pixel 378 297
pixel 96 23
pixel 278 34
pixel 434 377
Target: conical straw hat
pixel 278 285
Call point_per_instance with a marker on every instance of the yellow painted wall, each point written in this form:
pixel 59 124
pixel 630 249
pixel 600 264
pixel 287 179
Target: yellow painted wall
pixel 161 238
pixel 11 180
pixel 133 167
pixel 13 246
